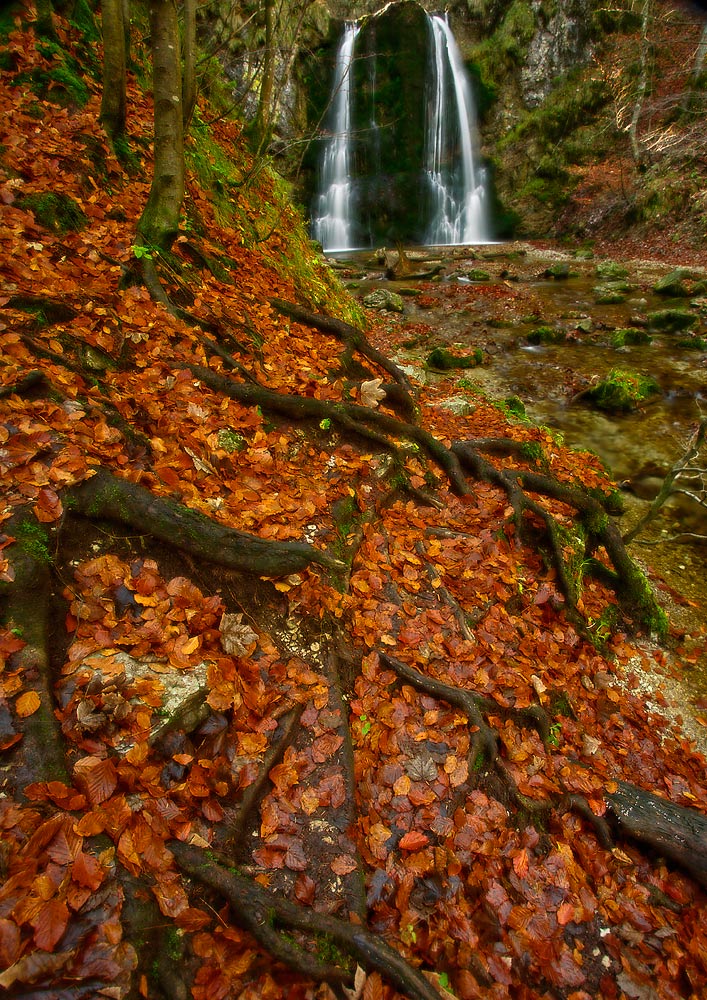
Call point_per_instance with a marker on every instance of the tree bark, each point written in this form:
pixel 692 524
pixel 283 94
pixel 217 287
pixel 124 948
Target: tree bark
pixel 263 118
pixel 114 100
pixel 159 223
pixel 673 831
pixel 189 64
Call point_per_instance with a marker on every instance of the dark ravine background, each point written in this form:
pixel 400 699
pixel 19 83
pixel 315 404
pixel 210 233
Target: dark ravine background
pixel 591 119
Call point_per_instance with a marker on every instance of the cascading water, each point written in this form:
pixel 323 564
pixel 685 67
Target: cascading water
pixel 332 215
pixel 456 182
pixel 415 176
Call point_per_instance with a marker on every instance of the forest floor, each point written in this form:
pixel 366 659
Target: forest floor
pixel 308 683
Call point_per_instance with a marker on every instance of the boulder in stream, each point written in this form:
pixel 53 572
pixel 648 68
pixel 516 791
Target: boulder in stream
pixel 671 320
pixel 382 298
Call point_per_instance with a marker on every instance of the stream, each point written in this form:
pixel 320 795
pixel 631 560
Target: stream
pixel 497 313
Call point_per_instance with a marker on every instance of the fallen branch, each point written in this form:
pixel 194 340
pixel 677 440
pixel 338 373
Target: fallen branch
pixel 673 831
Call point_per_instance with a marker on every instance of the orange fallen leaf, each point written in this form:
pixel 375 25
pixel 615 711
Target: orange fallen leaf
pixel 414 841
pixel 27 704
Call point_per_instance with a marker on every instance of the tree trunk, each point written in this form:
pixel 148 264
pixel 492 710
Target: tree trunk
pixel 189 64
pixel 638 152
pixel 263 118
pixel 113 100
pixel 159 223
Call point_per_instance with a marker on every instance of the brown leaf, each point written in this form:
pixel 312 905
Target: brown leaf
pixel 50 924
pixel 98 776
pixel 27 704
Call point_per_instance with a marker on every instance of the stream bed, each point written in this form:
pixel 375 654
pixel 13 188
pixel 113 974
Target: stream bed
pixel 496 298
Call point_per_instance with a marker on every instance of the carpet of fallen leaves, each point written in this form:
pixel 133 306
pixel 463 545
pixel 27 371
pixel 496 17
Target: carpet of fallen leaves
pixel 473 893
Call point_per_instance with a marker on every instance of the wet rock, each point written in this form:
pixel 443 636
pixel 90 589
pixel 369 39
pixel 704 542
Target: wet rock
pixel 476 274
pixel 673 284
pixel 460 406
pixel 630 336
pixel 671 320
pixel 440 359
pixel 559 272
pixel 611 292
pixel 609 270
pixel 382 298
pixel 546 335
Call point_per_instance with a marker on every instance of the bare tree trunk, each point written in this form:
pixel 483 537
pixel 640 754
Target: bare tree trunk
pixel 263 118
pixel 114 99
pixel 700 56
pixel 638 152
pixel 159 223
pixel 189 64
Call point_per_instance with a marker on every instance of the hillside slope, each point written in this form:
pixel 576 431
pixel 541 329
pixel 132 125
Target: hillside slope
pixel 299 689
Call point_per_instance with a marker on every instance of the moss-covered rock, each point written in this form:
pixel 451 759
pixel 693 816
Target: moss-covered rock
pixel 609 270
pixel 621 391
pixel 440 359
pixel 671 320
pixel 382 298
pixel 673 284
pixel 546 335
pixel 477 274
pixel 57 212
pixel 629 337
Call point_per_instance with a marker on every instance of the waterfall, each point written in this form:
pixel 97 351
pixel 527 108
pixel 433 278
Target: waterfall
pixel 333 208
pixel 456 183
pixel 416 175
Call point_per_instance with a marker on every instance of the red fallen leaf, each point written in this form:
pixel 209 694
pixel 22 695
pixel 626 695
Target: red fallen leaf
pixel 520 863
pixel 414 841
pixel 9 942
pixel 48 507
pixel 344 864
pixel 305 888
pixel 565 913
pixel 50 924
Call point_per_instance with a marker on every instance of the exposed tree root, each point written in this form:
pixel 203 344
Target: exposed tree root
pixel 628 582
pixel 30 381
pixel 671 830
pixel 260 911
pixel 26 611
pixel 106 496
pixel 349 335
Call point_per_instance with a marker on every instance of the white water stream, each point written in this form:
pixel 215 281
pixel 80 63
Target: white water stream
pixel 333 212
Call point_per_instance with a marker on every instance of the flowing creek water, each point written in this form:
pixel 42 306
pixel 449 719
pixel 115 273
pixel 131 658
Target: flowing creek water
pixel 638 448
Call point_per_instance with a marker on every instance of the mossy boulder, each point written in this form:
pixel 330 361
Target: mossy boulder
pixel 673 284
pixel 57 212
pixel 609 270
pixel 611 292
pixel 621 391
pixel 630 336
pixel 559 272
pixel 477 274
pixel 546 335
pixel 440 359
pixel 671 320
pixel 382 298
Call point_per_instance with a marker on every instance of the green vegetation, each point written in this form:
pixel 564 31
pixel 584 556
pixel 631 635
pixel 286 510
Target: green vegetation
pixel 622 391
pixel 546 335
pixel 671 320
pixel 630 336
pixel 34 540
pixel 440 359
pixel 57 212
